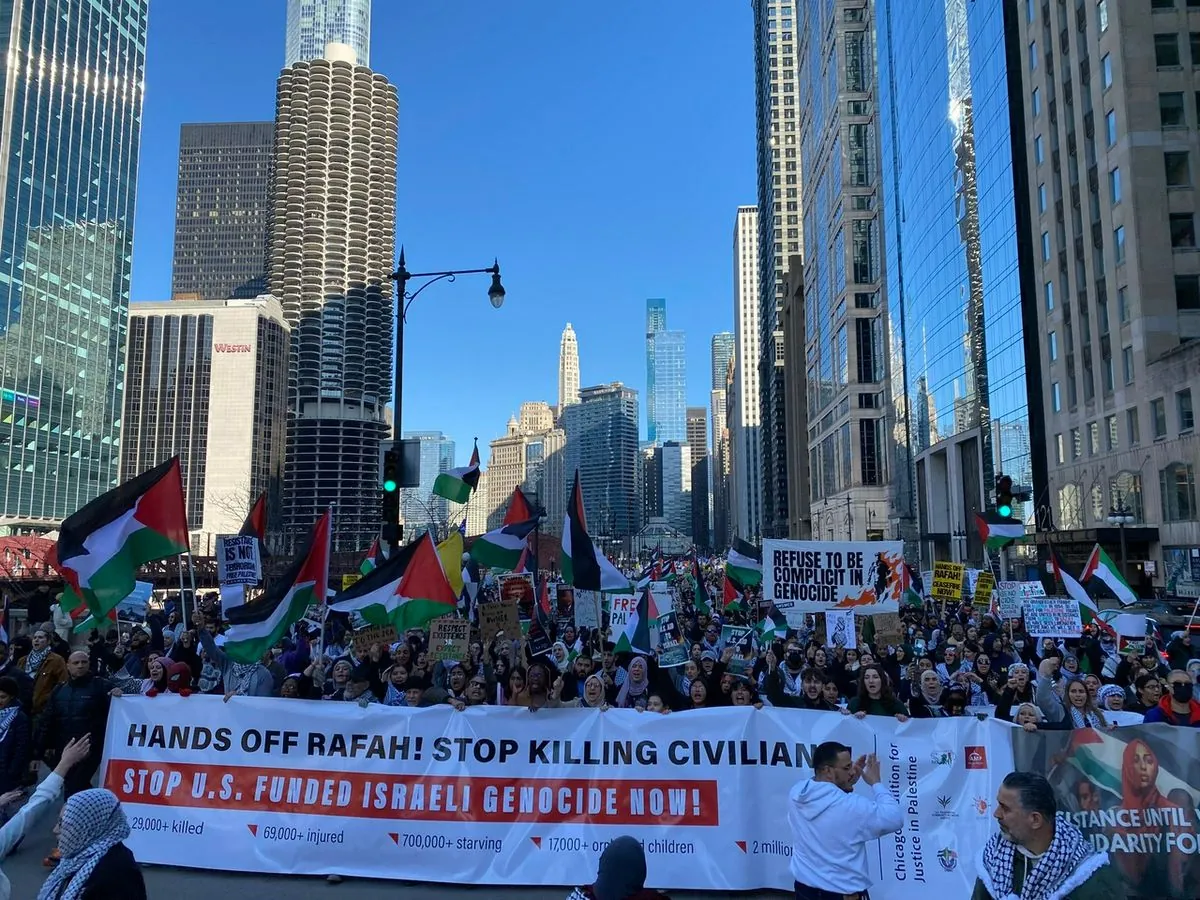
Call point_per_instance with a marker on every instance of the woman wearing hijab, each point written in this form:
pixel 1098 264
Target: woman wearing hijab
pixel 1017 690
pixel 593 695
pixel 95 865
pixel 560 656
pixel 339 677
pixel 47 669
pixel 927 701
pixel 1111 698
pixel 951 665
pixel 637 683
pixel 621 876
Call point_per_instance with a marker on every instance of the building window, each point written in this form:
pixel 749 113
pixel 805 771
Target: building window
pixel 1052 342
pixel 1076 444
pixel 1183 407
pixel 1055 397
pixel 1166 50
pixel 1045 246
pixel 1132 427
pixel 1126 490
pixel 1041 198
pixel 1069 511
pixel 1162 4
pixel 870 457
pixel 1106 369
pixel 1114 186
pixel 1183 230
pixel 1049 296
pixel 1037 102
pixel 855 69
pixel 1060 449
pixel 1176 163
pixel 1178 484
pixel 1194 46
pixel 1158 418
pixel 1123 305
pixel 1039 150
pixel 1110 426
pixel 1170 110
pixel 1102 14
pixel 1127 364
pixel 1093 438
pixel 1110 127
pixel 1187 291
pixel 1033 56
pixel 1119 244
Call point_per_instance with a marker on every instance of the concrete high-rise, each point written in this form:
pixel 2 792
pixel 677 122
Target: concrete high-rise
pixel 529 456
pixel 778 56
pixel 844 289
pixel 333 234
pixel 222 207
pixel 697 441
pixel 602 443
pixel 312 24
pixel 70 129
pixel 568 369
pixel 742 393
pixel 422 509
pixel 667 419
pixel 723 344
pixel 207 380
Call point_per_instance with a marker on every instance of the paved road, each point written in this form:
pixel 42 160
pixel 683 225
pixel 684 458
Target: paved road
pixel 25 871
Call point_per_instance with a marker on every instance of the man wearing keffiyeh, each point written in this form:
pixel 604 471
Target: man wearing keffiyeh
pixel 1037 855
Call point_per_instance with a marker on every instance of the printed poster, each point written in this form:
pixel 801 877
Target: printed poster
pixel 948 578
pixel 672 649
pixel 839 629
pixel 1013 594
pixel 814 576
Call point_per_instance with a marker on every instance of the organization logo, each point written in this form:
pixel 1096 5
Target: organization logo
pixel 981 806
pixel 976 757
pixel 944 811
pixel 948 859
pixel 942 757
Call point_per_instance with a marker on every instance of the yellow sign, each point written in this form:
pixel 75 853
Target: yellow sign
pixel 984 585
pixel 348 581
pixel 948 580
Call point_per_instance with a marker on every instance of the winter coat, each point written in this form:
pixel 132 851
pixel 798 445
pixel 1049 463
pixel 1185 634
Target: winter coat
pixel 76 708
pixel 50 674
pixel 14 753
pixel 116 877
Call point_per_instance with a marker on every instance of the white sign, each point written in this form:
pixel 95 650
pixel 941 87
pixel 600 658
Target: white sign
pixel 620 607
pixel 237 559
pixel 839 629
pixel 587 609
pixel 1011 596
pixel 500 795
pixel 814 576
pixel 137 602
pixel 1053 617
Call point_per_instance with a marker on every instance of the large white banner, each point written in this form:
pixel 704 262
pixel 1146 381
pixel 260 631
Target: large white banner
pixel 815 576
pixel 506 796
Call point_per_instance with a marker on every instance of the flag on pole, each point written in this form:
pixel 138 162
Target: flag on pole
pixel 744 563
pixel 456 485
pixel 503 548
pixel 997 531
pixel 768 630
pixel 1100 566
pixel 582 565
pixel 732 597
pixel 910 595
pixel 702 603
pixel 406 591
pixel 635 636
pixel 1089 613
pixel 101 547
pixel 519 509
pixel 257 627
pixel 255 524
pixel 450 551
pixel 371 560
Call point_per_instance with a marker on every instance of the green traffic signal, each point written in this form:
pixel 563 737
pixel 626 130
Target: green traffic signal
pixel 1004 510
pixel 389 486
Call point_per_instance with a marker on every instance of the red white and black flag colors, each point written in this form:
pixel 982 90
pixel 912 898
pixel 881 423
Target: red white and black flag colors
pixel 101 547
pixel 407 590
pixel 256 523
pixel 582 565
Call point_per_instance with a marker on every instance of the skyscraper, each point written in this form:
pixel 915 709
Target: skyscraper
pixel 568 369
pixel 778 55
pixel 722 352
pixel 602 443
pixel 742 401
pixel 421 509
pixel 675 459
pixel 333 233
pixel 70 128
pixel 667 420
pixel 697 439
pixel 656 321
pixel 311 24
pixel 222 205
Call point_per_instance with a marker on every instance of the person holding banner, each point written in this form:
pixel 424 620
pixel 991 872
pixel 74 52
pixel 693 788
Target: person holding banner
pixel 875 697
pixel 1178 707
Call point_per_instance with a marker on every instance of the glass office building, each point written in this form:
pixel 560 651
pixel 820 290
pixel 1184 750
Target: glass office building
pixel 70 124
pixel 668 416
pixel 656 321
pixel 602 445
pixel 420 506
pixel 959 379
pixel 311 24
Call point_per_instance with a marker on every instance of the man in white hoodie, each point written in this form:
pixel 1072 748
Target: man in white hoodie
pixel 831 825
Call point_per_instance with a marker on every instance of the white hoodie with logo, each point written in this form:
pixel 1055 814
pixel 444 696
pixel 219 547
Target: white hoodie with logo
pixel 830 831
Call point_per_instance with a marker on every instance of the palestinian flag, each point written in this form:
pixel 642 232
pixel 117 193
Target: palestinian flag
pixel 457 484
pixel 504 547
pixel 635 636
pixel 1099 756
pixel 744 563
pixel 909 593
pixel 768 630
pixel 256 524
pixel 257 627
pixel 371 560
pixel 1100 566
pixel 732 598
pixel 702 603
pixel 519 509
pixel 582 565
pixel 1089 613
pixel 406 591
pixel 996 531
pixel 101 547
pixel 450 552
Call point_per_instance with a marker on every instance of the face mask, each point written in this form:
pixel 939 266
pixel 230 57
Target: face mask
pixel 794 657
pixel 1181 692
pixel 1020 645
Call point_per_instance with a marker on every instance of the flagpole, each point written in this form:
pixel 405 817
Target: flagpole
pixel 179 565
pixel 191 579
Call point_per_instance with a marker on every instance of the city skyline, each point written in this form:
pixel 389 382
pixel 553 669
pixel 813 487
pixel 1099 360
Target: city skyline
pixel 507 185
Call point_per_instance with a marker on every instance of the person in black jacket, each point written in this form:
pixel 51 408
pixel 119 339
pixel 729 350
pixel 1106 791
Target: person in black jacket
pixel 95 865
pixel 14 737
pixel 77 707
pixel 10 669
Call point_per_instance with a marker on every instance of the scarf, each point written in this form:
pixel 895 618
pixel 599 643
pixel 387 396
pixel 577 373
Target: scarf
pixel 240 677
pixel 631 690
pixel 210 677
pixel 1067 864
pixel 1081 719
pixel 92 824
pixel 934 700
pixel 395 696
pixel 6 719
pixel 791 683
pixel 34 661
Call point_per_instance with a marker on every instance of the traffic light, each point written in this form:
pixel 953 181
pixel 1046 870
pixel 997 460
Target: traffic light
pixel 390 483
pixel 1004 496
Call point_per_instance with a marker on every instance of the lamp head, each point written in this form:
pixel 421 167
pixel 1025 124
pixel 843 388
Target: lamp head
pixel 496 292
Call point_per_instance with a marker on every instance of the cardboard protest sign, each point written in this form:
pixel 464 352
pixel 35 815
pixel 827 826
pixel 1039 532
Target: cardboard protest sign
pixel 1013 594
pixel 498 617
pixel 383 635
pixel 948 578
pixel 449 638
pixel 1053 617
pixel 519 589
pixel 985 584
pixel 839 629
pixel 813 576
pixel 237 559
pixel 672 650
pixel 889 630
pixel 587 609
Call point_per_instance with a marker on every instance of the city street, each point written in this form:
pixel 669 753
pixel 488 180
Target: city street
pixel 26 873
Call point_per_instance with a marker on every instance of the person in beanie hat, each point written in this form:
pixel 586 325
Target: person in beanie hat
pixel 621 875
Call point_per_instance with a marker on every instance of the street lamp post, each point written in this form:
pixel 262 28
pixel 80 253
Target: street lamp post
pixel 1121 515
pixel 404 299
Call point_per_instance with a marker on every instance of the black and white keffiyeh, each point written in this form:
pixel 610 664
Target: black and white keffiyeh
pixel 1082 719
pixel 93 822
pixel 34 661
pixel 1068 863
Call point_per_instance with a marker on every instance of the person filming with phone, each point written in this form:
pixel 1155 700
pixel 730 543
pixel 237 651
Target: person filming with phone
pixel 831 825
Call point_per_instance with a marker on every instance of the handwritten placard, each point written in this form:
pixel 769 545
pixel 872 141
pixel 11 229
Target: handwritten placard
pixel 449 638
pixel 948 580
pixel 1053 617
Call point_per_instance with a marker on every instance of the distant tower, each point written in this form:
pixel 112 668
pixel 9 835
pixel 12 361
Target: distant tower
pixel 311 24
pixel 568 369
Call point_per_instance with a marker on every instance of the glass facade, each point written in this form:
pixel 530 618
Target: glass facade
pixel 954 295
pixel 419 506
pixel 722 352
pixel 70 128
pixel 602 444
pixel 669 414
pixel 656 321
pixel 311 24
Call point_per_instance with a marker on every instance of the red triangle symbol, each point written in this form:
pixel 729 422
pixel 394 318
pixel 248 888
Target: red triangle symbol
pixel 741 845
pixel 253 829
pixel 537 842
pixel 395 838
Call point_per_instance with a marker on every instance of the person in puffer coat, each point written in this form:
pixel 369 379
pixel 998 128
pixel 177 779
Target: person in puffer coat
pixel 76 708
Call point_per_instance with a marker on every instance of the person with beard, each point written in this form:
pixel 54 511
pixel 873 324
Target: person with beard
pixel 45 667
pixel 1178 707
pixel 10 669
pixel 812 690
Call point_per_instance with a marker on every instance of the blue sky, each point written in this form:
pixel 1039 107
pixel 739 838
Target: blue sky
pixel 600 150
